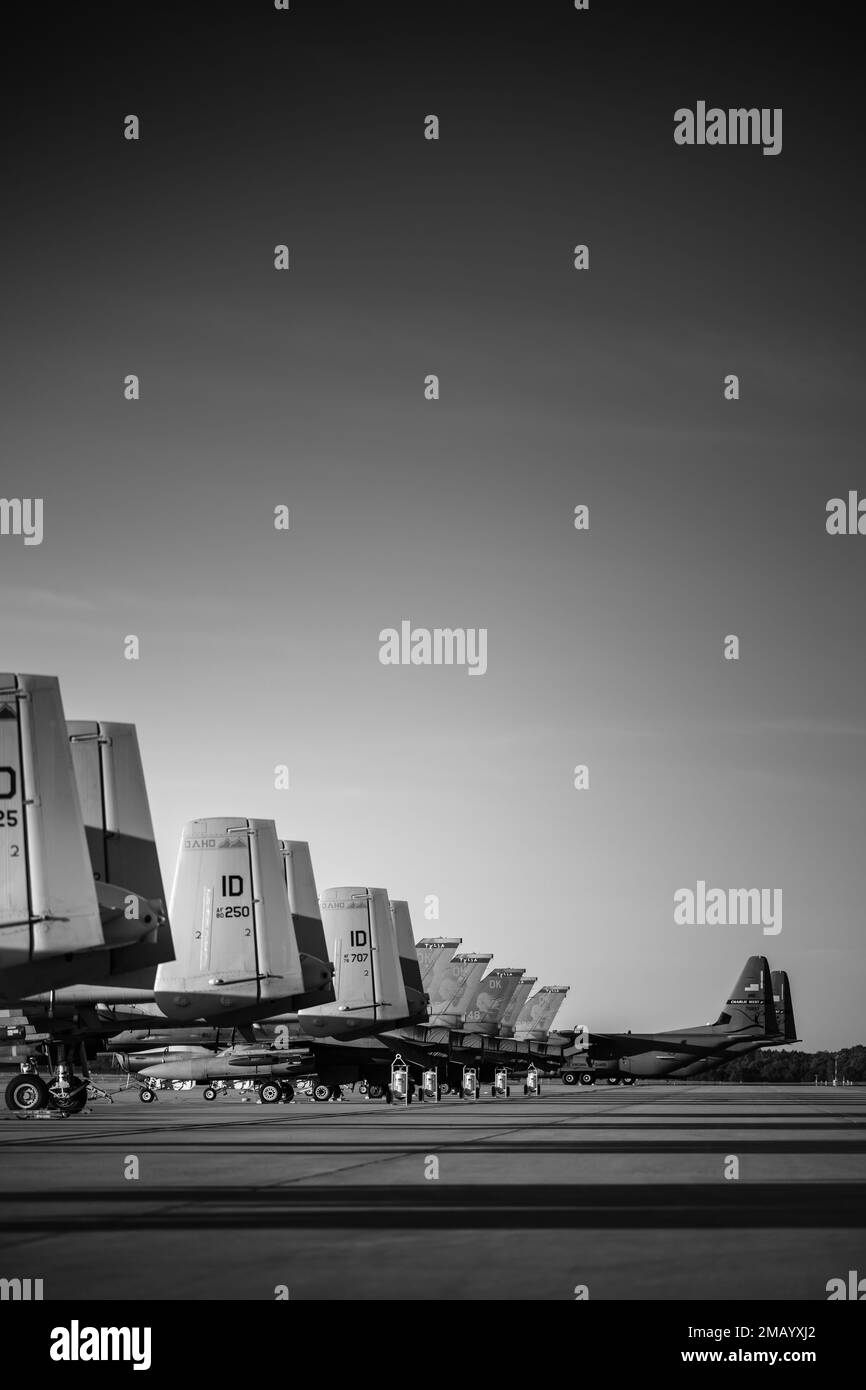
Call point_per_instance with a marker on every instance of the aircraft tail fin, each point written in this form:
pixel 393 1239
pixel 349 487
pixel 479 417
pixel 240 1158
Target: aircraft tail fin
pixel 492 996
pixel 751 1002
pixel 120 840
pixel 455 988
pixel 512 1011
pixel 435 954
pixel 409 963
pixel 368 979
pixel 231 924
pixel 48 902
pixel 317 970
pixel 784 1005
pixel 539 1011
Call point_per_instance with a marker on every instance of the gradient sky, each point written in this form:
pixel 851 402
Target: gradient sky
pixel 557 388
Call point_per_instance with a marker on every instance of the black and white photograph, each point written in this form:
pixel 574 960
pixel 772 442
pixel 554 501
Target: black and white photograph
pixel 432 728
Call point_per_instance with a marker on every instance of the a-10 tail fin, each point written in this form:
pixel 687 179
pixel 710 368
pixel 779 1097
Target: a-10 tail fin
pixel 510 1014
pixel 415 993
pixel 231 924
pixel 784 1005
pixel 538 1013
pixel 492 996
pixel 368 979
pixel 121 843
pixel 456 987
pixel 750 1005
pixel 317 970
pixel 48 903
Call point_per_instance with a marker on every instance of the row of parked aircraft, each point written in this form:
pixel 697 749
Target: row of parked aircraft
pixel 250 974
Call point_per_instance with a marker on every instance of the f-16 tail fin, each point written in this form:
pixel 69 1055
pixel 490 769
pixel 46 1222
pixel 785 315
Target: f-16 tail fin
pixel 368 979
pixel 409 964
pixel 492 996
pixel 750 1005
pixel 307 923
pixel 512 1011
pixel 538 1013
pixel 48 903
pixel 784 1006
pixel 120 840
pixel 455 988
pixel 435 954
pixel 230 921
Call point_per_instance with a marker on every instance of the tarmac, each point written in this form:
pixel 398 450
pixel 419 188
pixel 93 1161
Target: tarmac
pixel 603 1192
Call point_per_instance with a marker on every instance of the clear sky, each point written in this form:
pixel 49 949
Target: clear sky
pixel 558 387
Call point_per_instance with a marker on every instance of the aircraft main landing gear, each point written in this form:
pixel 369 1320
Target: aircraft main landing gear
pixel 27 1092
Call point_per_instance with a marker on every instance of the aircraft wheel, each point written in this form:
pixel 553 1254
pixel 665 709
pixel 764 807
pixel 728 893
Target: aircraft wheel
pixel 363 1089
pixel 208 1093
pixel 287 1092
pixel 27 1092
pixel 73 1101
pixel 374 1092
pixel 321 1092
pixel 269 1093
pixel 628 1081
pixel 146 1096
pixel 587 1078
pixel 444 1089
pixel 569 1078
pixel 613 1081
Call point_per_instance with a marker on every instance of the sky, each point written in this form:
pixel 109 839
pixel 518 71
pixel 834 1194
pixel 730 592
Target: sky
pixel 558 387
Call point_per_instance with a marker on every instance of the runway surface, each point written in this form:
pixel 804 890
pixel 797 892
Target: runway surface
pixel 623 1191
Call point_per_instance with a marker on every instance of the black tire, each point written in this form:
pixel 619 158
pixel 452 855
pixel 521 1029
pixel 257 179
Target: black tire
pixel 444 1089
pixel 336 1093
pixel 627 1080
pixel 73 1101
pixel 374 1091
pixel 27 1092
pixel 208 1093
pixel 321 1092
pixel 147 1096
pixel 270 1092
pixel 508 1090
pixel 363 1089
pixel 587 1078
pixel 287 1092
pixel 569 1078
pixel 613 1081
